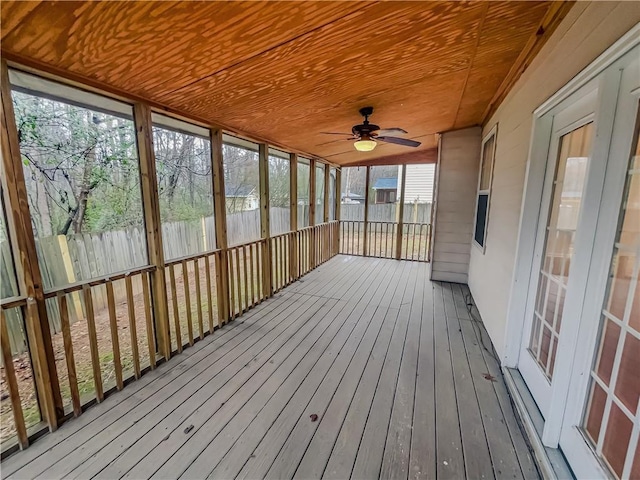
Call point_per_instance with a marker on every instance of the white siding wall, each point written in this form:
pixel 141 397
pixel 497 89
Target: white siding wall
pixel 419 183
pixel 458 162
pixel 588 29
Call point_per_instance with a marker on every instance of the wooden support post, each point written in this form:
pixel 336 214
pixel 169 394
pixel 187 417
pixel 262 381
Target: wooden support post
pixel 312 213
pixel 401 213
pixel 26 262
pixel 293 215
pixel 365 234
pixel 327 182
pixel 324 232
pixel 153 229
pixel 265 231
pixel 338 200
pixel 220 216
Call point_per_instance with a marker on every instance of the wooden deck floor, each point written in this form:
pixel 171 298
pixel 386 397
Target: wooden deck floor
pixel 390 363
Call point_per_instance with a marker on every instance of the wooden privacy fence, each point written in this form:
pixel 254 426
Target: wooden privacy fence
pixel 387 212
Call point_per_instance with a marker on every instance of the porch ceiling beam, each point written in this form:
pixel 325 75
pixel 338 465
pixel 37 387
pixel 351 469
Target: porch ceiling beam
pixel 422 156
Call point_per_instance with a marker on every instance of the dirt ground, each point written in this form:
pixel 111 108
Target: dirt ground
pixel 381 245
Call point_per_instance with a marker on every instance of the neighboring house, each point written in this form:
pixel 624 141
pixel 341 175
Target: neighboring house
pixel 420 181
pixel 240 198
pixel 351 197
pixel 386 190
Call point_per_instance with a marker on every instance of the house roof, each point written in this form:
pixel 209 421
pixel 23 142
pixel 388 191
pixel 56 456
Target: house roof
pixel 301 70
pixel 352 195
pixel 386 184
pixel 235 191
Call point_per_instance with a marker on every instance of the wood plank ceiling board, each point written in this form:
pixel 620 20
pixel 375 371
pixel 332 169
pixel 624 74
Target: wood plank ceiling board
pixel 495 53
pixel 286 71
pixel 152 48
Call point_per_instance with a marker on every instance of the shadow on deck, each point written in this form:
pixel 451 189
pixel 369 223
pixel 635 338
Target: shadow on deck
pixel 362 369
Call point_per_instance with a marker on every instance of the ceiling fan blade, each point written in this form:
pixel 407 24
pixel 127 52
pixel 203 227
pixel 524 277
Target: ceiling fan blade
pixel 391 131
pixel 399 141
pixel 335 141
pixel 336 133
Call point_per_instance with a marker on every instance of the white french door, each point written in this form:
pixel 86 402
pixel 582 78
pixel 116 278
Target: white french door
pixel 601 418
pixel 554 274
pixel 579 348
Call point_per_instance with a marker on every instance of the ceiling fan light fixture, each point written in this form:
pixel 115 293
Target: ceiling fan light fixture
pixel 365 144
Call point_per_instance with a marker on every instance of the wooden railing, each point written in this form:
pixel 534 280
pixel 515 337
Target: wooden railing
pixel 352 237
pixel 202 273
pixel 113 346
pixel 380 239
pixel 416 238
pixel 246 276
pixel 117 341
pixel 18 403
pixel 281 261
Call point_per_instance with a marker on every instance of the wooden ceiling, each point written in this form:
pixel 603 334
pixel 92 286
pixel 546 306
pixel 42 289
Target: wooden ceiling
pixel 285 71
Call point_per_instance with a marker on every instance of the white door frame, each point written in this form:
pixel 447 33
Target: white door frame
pixel 577 345
pixel 571 114
pixel 534 175
pixel 566 426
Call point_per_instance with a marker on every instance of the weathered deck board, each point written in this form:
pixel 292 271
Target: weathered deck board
pixel 422 458
pixel 391 363
pixel 474 440
pixel 449 454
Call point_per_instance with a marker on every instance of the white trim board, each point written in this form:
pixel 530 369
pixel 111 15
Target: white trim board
pixel 623 45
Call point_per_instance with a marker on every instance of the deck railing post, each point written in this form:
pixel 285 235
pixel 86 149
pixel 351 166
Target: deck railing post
pixel 365 234
pixel 312 214
pixel 325 216
pixel 26 263
pixel 293 215
pixel 220 216
pixel 265 233
pixel 401 213
pixel 327 181
pixel 153 227
pixel 338 201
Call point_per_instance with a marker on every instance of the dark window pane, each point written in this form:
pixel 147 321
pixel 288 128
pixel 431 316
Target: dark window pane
pixel 481 218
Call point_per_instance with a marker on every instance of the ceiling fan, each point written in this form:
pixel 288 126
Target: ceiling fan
pixel 366 135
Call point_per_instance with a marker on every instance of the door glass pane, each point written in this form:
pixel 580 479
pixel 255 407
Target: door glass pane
pixel 566 200
pixel 487 163
pixel 611 420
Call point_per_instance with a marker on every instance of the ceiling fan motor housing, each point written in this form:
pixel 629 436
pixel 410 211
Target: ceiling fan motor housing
pixel 366 111
pixel 364 129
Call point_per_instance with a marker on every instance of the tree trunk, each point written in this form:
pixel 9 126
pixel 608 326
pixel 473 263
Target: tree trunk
pixel 85 190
